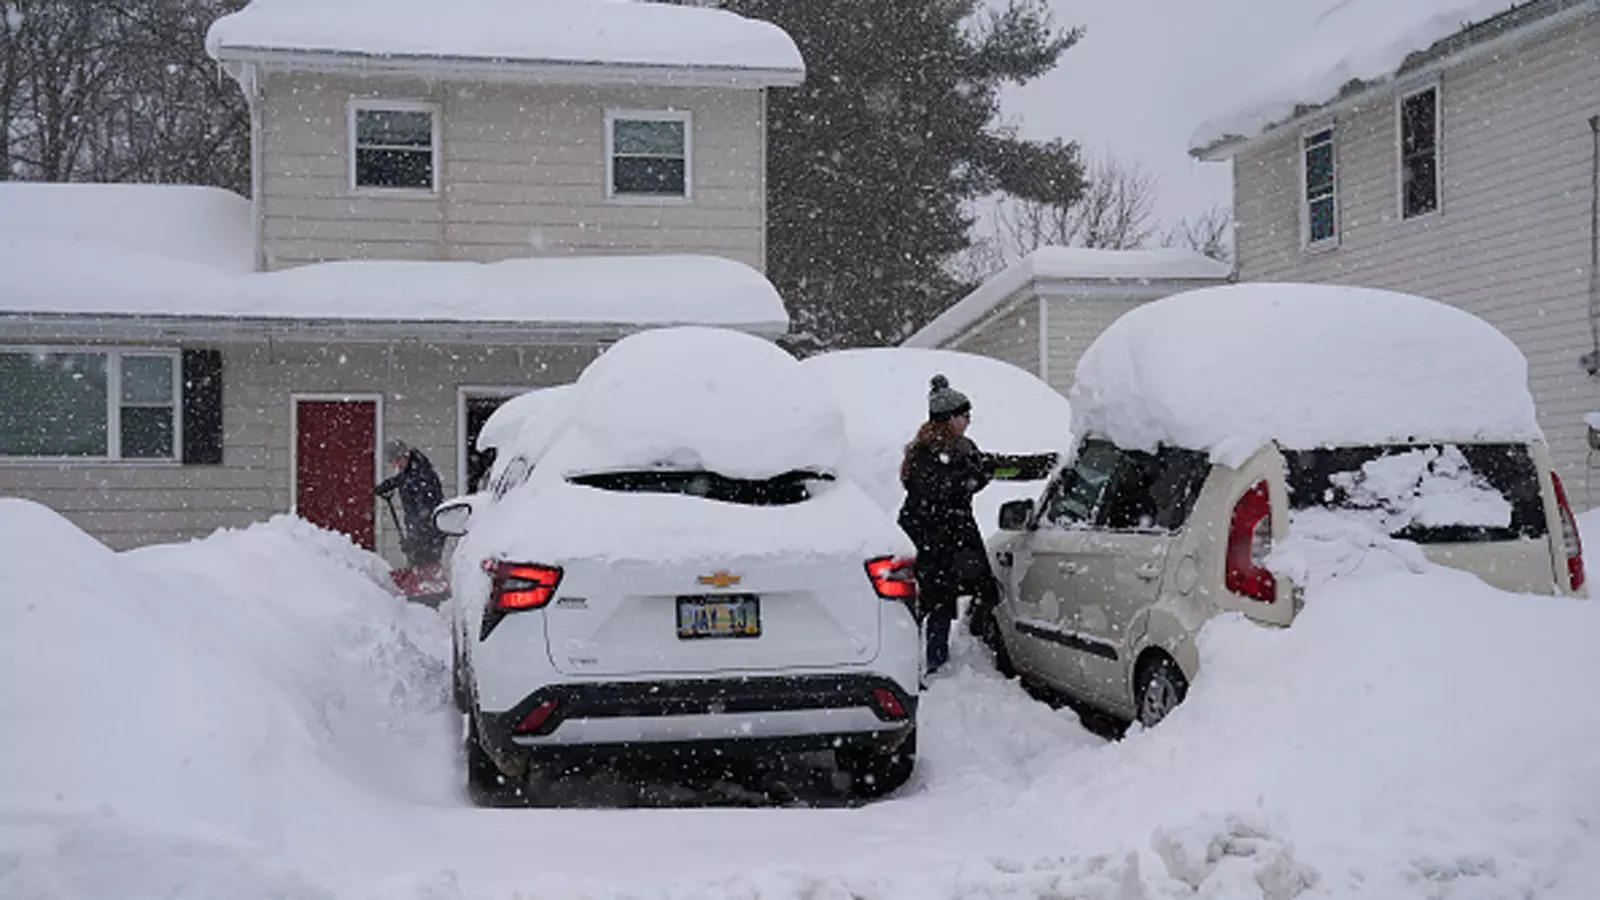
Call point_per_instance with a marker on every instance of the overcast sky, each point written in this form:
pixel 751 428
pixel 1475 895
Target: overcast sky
pixel 1147 72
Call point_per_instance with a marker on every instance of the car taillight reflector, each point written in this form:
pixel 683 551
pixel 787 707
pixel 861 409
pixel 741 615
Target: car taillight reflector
pixel 1571 541
pixel 535 720
pixel 892 577
pixel 889 706
pixel 1249 542
pixel 517 586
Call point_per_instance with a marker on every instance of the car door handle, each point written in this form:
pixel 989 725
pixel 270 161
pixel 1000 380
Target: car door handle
pixel 1148 572
pixel 1069 568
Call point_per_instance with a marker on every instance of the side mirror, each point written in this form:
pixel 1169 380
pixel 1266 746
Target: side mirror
pixel 453 518
pixel 1014 515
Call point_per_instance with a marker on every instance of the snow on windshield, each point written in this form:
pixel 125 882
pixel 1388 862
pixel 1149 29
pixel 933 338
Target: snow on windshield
pixel 1229 369
pixel 1428 486
pixel 699 398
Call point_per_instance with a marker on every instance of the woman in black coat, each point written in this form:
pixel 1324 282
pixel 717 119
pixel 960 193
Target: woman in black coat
pixel 941 471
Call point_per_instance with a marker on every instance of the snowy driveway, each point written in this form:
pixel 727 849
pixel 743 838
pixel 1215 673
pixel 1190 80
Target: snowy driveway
pixel 251 716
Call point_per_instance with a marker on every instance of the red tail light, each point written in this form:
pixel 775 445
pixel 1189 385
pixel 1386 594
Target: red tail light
pixel 892 577
pixel 1249 542
pixel 1571 541
pixel 514 587
pixel 536 719
pixel 889 706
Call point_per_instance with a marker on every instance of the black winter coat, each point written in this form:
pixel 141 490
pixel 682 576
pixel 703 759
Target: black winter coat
pixel 420 492
pixel 937 515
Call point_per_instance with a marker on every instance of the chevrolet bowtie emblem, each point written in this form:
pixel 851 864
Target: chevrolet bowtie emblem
pixel 719 579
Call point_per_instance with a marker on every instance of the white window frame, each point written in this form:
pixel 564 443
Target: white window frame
pixel 1327 243
pixel 650 115
pixel 114 355
pixel 463 394
pixel 381 104
pixel 1400 151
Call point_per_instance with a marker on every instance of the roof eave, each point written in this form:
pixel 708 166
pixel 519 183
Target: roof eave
pixel 540 71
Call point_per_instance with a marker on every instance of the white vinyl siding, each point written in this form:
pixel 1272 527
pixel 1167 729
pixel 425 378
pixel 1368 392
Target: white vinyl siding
pixel 1511 245
pixel 90 403
pixel 1012 336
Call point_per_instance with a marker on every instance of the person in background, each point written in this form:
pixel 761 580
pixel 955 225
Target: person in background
pixel 941 470
pixel 420 491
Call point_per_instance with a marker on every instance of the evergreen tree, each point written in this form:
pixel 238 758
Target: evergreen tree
pixel 871 159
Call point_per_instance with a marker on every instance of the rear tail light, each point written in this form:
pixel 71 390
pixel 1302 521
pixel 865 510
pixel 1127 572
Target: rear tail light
pixel 539 719
pixel 888 705
pixel 514 587
pixel 1571 541
pixel 893 578
pixel 1249 542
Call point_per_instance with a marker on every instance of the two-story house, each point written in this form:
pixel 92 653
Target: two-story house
pixel 450 203
pixel 1457 161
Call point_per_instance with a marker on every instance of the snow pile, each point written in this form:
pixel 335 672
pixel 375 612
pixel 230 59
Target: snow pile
pixel 884 395
pixel 1229 369
pixel 1364 40
pixel 584 32
pixel 1428 486
pixel 206 226
pixel 699 398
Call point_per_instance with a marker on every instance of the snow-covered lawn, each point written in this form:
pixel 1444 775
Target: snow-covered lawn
pixel 253 716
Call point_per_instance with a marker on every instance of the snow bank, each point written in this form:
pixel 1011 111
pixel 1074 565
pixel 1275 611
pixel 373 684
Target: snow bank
pixel 205 226
pixel 884 394
pixel 554 31
pixel 699 398
pixel 1364 40
pixel 1228 369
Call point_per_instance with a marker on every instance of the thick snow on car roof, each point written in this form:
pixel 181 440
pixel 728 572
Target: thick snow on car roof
pixel 1229 369
pixel 884 394
pixel 700 398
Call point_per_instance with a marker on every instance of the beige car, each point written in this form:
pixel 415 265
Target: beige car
pixel 1107 578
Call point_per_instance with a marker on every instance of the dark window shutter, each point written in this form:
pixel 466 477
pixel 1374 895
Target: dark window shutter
pixel 202 407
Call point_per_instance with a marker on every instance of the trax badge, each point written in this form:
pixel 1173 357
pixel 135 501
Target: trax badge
pixel 720 579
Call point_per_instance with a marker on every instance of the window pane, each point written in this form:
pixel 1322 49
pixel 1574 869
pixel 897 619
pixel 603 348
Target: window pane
pixel 54 404
pixel 394 168
pixel 147 432
pixel 147 379
pixel 411 128
pixel 1319 170
pixel 657 138
pixel 1417 131
pixel 645 175
pixel 1321 220
pixel 1077 494
pixel 1420 185
pixel 1154 491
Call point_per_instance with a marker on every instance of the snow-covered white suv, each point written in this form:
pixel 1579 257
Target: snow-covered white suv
pixel 677 567
pixel 1213 420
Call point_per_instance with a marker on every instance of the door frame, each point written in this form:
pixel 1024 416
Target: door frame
pixel 465 392
pixel 294 443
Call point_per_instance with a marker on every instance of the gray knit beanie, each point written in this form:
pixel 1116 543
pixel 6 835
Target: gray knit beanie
pixel 394 450
pixel 944 401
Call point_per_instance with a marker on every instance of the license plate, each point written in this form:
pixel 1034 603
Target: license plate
pixel 730 616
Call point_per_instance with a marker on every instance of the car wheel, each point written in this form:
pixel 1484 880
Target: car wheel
pixel 877 773
pixel 1161 688
pixel 1002 655
pixel 486 784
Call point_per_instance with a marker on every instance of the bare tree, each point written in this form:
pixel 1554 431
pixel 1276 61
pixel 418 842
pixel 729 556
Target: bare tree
pixel 1209 234
pixel 1114 212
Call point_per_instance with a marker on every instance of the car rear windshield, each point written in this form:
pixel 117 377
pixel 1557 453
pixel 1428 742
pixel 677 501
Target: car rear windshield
pixel 781 490
pixel 1429 494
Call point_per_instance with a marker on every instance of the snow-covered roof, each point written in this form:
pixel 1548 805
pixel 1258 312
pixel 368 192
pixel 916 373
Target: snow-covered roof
pixel 1071 264
pixel 154 251
pixel 1230 369
pixel 1355 41
pixel 577 36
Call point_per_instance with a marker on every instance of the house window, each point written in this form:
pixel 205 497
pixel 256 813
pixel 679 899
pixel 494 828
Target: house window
pixel 1320 218
pixel 93 404
pixel 1419 153
pixel 648 154
pixel 393 145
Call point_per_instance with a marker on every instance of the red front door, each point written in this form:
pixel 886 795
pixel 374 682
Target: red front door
pixel 335 465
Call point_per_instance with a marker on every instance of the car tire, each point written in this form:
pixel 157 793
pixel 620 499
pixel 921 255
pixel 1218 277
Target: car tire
pixel 1002 655
pixel 487 786
pixel 1161 687
pixel 458 680
pixel 877 773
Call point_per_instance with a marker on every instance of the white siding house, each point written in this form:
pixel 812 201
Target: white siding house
pixel 1466 172
pixel 450 203
pixel 1041 312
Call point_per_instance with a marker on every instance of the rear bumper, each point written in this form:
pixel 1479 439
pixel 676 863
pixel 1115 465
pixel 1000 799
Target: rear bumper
pixel 711 717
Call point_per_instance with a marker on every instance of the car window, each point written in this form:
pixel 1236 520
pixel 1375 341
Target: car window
pixel 516 472
pixel 1153 491
pixel 1073 499
pixel 781 490
pixel 1425 493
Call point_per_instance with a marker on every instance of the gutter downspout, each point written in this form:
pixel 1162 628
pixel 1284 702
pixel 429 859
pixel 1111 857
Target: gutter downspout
pixel 1591 360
